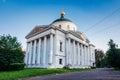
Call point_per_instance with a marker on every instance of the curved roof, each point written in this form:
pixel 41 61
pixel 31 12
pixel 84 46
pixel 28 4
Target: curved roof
pixel 62 18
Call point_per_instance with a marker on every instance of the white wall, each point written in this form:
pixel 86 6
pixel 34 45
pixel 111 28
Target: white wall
pixel 59 54
pixel 92 55
pixel 65 24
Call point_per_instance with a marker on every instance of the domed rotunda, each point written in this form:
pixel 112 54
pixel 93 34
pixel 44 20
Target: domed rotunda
pixel 64 23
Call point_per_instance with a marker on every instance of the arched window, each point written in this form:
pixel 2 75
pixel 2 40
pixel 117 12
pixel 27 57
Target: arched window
pixel 60 26
pixel 74 28
pixel 68 27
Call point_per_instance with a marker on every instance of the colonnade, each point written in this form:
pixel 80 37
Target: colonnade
pixel 36 55
pixel 77 53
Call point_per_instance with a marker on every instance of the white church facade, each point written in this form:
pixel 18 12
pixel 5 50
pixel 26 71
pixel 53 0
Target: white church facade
pixel 57 45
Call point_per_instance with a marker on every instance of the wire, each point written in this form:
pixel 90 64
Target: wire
pixel 106 28
pixel 102 20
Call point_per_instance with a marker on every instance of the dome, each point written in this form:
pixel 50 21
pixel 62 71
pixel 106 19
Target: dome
pixel 62 19
pixel 64 23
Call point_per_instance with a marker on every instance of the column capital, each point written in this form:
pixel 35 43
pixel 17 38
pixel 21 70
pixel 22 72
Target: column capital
pixel 52 31
pixel 52 34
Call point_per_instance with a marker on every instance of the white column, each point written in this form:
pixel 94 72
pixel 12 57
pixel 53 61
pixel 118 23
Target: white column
pixel 66 54
pixel 83 62
pixel 39 51
pixel 88 56
pixel 66 51
pixel 44 52
pixel 30 53
pixel 26 55
pixel 74 52
pixel 85 55
pixel 78 54
pixel 80 49
pixel 34 52
pixel 55 49
pixel 69 52
pixel 51 49
pixel 75 58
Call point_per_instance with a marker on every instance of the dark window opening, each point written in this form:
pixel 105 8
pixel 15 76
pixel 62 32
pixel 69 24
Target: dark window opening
pixel 60 61
pixel 60 46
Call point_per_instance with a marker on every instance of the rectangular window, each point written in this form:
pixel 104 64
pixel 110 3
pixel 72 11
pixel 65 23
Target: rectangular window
pixel 61 46
pixel 60 61
pixel 68 27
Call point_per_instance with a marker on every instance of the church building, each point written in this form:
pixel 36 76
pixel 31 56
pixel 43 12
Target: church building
pixel 57 45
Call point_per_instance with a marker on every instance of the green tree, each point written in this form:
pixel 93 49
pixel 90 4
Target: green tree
pixel 112 45
pixel 113 55
pixel 99 58
pixel 9 42
pixel 11 54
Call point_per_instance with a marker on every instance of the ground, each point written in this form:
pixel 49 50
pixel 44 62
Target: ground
pixel 97 74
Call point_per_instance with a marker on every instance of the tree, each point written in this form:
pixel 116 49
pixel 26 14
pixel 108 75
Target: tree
pixel 99 58
pixel 9 42
pixel 113 55
pixel 11 54
pixel 112 45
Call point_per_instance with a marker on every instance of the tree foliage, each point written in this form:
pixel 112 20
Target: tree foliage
pixel 99 58
pixel 10 57
pixel 112 45
pixel 11 54
pixel 9 42
pixel 113 55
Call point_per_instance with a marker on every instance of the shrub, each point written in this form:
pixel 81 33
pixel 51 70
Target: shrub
pixel 92 67
pixel 16 66
pixel 9 58
pixel 67 66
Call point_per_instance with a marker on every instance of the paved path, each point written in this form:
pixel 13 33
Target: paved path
pixel 97 74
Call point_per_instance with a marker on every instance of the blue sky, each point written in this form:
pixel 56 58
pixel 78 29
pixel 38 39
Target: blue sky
pixel 19 17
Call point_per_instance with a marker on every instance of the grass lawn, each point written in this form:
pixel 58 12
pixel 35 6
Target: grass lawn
pixel 117 69
pixel 15 75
